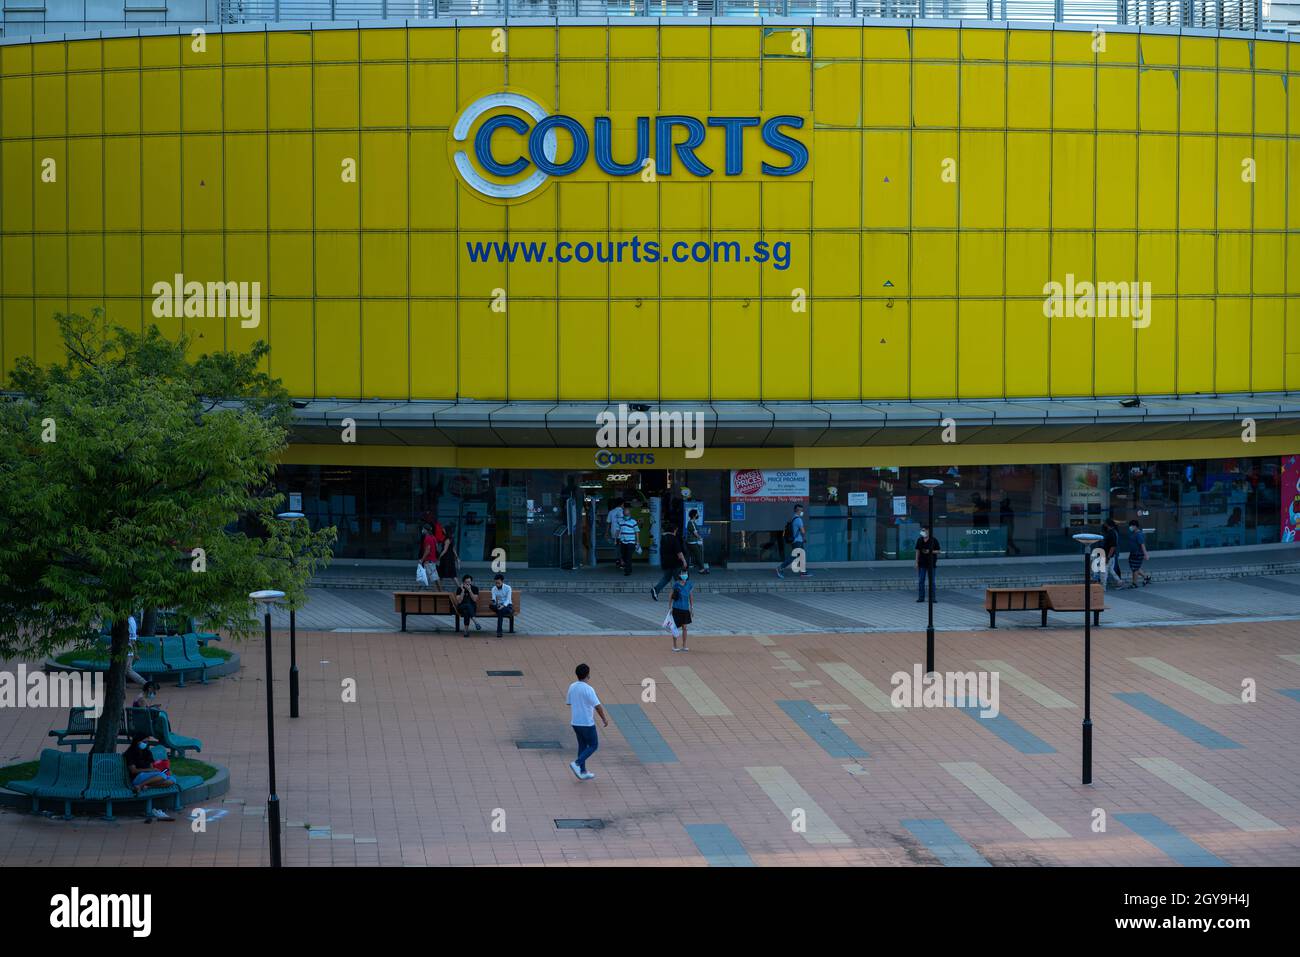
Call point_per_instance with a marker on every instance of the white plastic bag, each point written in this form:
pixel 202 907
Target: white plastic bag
pixel 670 626
pixel 421 576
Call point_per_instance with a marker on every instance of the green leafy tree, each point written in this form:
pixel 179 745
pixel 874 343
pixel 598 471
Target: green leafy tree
pixel 134 477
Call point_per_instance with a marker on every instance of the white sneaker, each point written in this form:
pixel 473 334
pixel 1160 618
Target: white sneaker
pixel 573 766
pixel 159 814
pixel 587 776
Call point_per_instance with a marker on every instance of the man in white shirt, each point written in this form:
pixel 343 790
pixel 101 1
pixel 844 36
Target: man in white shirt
pixel 629 532
pixel 615 519
pixel 584 705
pixel 502 602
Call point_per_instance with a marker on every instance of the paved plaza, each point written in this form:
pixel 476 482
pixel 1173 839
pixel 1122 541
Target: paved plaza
pixel 775 747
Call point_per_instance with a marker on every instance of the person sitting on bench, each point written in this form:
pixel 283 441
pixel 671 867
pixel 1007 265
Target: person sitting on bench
pixel 144 772
pixel 502 601
pixel 467 602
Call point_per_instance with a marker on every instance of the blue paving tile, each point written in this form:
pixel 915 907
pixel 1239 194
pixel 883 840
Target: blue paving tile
pixel 640 732
pixel 821 729
pixel 719 846
pixel 1290 692
pixel 945 843
pixel 1188 728
pixel 1016 735
pixel 1169 839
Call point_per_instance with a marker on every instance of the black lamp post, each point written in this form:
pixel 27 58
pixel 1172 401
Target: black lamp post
pixel 266 599
pixel 1087 540
pixel 930 485
pixel 293 628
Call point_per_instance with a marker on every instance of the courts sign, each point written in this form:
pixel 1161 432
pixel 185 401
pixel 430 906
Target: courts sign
pixel 506 145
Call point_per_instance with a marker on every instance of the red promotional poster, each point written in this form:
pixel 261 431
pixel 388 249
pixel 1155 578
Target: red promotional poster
pixel 1290 497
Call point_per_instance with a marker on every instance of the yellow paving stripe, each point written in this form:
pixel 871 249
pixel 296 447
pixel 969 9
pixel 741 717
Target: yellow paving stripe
pixel 1207 795
pixel 1026 685
pixel 1030 821
pixel 855 684
pixel 1294 659
pixel 787 661
pixel 763 640
pixel 697 694
pixel 786 794
pixel 1181 678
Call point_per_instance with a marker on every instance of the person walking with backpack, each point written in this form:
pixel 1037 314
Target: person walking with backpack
pixel 628 540
pixel 1137 552
pixel 672 558
pixel 796 536
pixel 695 542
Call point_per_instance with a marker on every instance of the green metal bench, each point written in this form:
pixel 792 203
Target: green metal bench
pixel 155 723
pixel 181 652
pixel 81 729
pixel 68 784
pixel 110 781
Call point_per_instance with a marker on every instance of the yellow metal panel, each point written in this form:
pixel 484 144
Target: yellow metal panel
pixel 836 256
pixel 1157 259
pixel 431 43
pixel 1234 266
pixel 736 363
pixel 983 91
pixel 980 264
pixel 688 279
pixel 1072 180
pixel 433 196
pixel 1236 100
pixel 291 264
pixel 121 265
pixel 291 332
pixel 245 98
pixel 584 351
pixel 289 90
pixel 885 347
pixel 743 280
pixel 785 283
pixel 736 88
pixel 675 42
pixel 837 93
pixel 528 328
pixel 1270 103
pixel 383 94
pixel 245 181
pixel 1157 190
pixel 885 264
pixel 1072 254
pixel 832 41
pixel 934 266
pixel 51 198
pixel 328 45
pixel 1158 91
pixel 786 360
pixel 383 264
pixel 21 175
pixel 886 43
pixel 1072 47
pixel 338 264
pixel 887 97
pixel 1156 344
pixel 532 279
pixel 1028 264
pixel 1232 345
pixel 1117 98
pixel 934 351
pixel 434 352
pixel 1073 96
pixel 1293 201
pixel 624 41
pixel 1196 183
pixel 246 261
pixel 836 326
pixel 1159 50
pixel 1116 181
pixel 785 205
pixel 1115 341
pixel 684 372
pixel 89 55
pixel 51 106
pixel 1197 101
pixel 160 168
pixel 17 319
pixel 730 39
pixel 201 197
pixel 244 47
pixel 201 100
pixel 1195 264
pixel 18 275
pixel 384 357
pixel 934 94
pixel 51 253
pixel 1270 55
pixel 787 86
pixel 1198 51
pixel 934 179
pixel 1196 345
pixel 634 349
pixel 160 51
pixel 86 184
pixel 336 95
pixel 1269 190
pixel 1267 354
pixel 984 44
pixel 289 190
pixel 432 99
pixel 382 177
pixel 121 53
pixel 433 264
pixel 1028 168
pixel 16 106
pixel 837 164
pixel 1029 96
pixel 887 180
pixel 161 101
pixel 980 349
pixel 338 197
pixel 122 102
pixel 1235 193
pixel 85 103
pixel 161 260
pixel 49 344
pixel 633 85
pixel 383 44
pixel 1072 358
pixel 641 282
pixel 1029 45
pixel 338 353
pixel 935 44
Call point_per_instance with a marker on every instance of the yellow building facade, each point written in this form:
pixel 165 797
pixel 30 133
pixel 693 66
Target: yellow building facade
pixel 951 175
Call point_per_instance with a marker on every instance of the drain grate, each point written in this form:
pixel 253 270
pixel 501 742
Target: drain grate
pixel 505 674
pixel 537 745
pixel 579 823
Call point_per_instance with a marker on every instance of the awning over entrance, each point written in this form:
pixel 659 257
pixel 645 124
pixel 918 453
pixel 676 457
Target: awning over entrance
pixel 469 423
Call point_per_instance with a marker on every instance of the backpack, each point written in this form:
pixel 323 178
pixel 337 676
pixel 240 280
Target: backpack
pixel 789 532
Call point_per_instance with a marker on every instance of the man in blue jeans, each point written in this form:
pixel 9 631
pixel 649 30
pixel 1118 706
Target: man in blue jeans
pixel 927 557
pixel 796 535
pixel 584 705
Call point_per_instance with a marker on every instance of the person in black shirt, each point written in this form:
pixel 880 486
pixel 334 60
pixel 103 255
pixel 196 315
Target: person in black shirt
pixel 1110 542
pixel 466 600
pixel 141 772
pixel 927 557
pixel 672 558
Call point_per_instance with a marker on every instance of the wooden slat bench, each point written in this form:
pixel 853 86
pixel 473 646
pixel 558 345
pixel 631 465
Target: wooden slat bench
pixel 1042 598
pixel 407 603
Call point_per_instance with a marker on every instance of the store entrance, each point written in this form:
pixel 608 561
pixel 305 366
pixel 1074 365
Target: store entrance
pixel 596 493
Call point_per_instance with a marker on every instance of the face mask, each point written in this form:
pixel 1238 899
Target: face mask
pixel 682 577
pixel 925 534
pixel 143 745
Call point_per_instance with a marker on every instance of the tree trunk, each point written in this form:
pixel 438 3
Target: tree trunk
pixel 110 721
pixel 149 626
